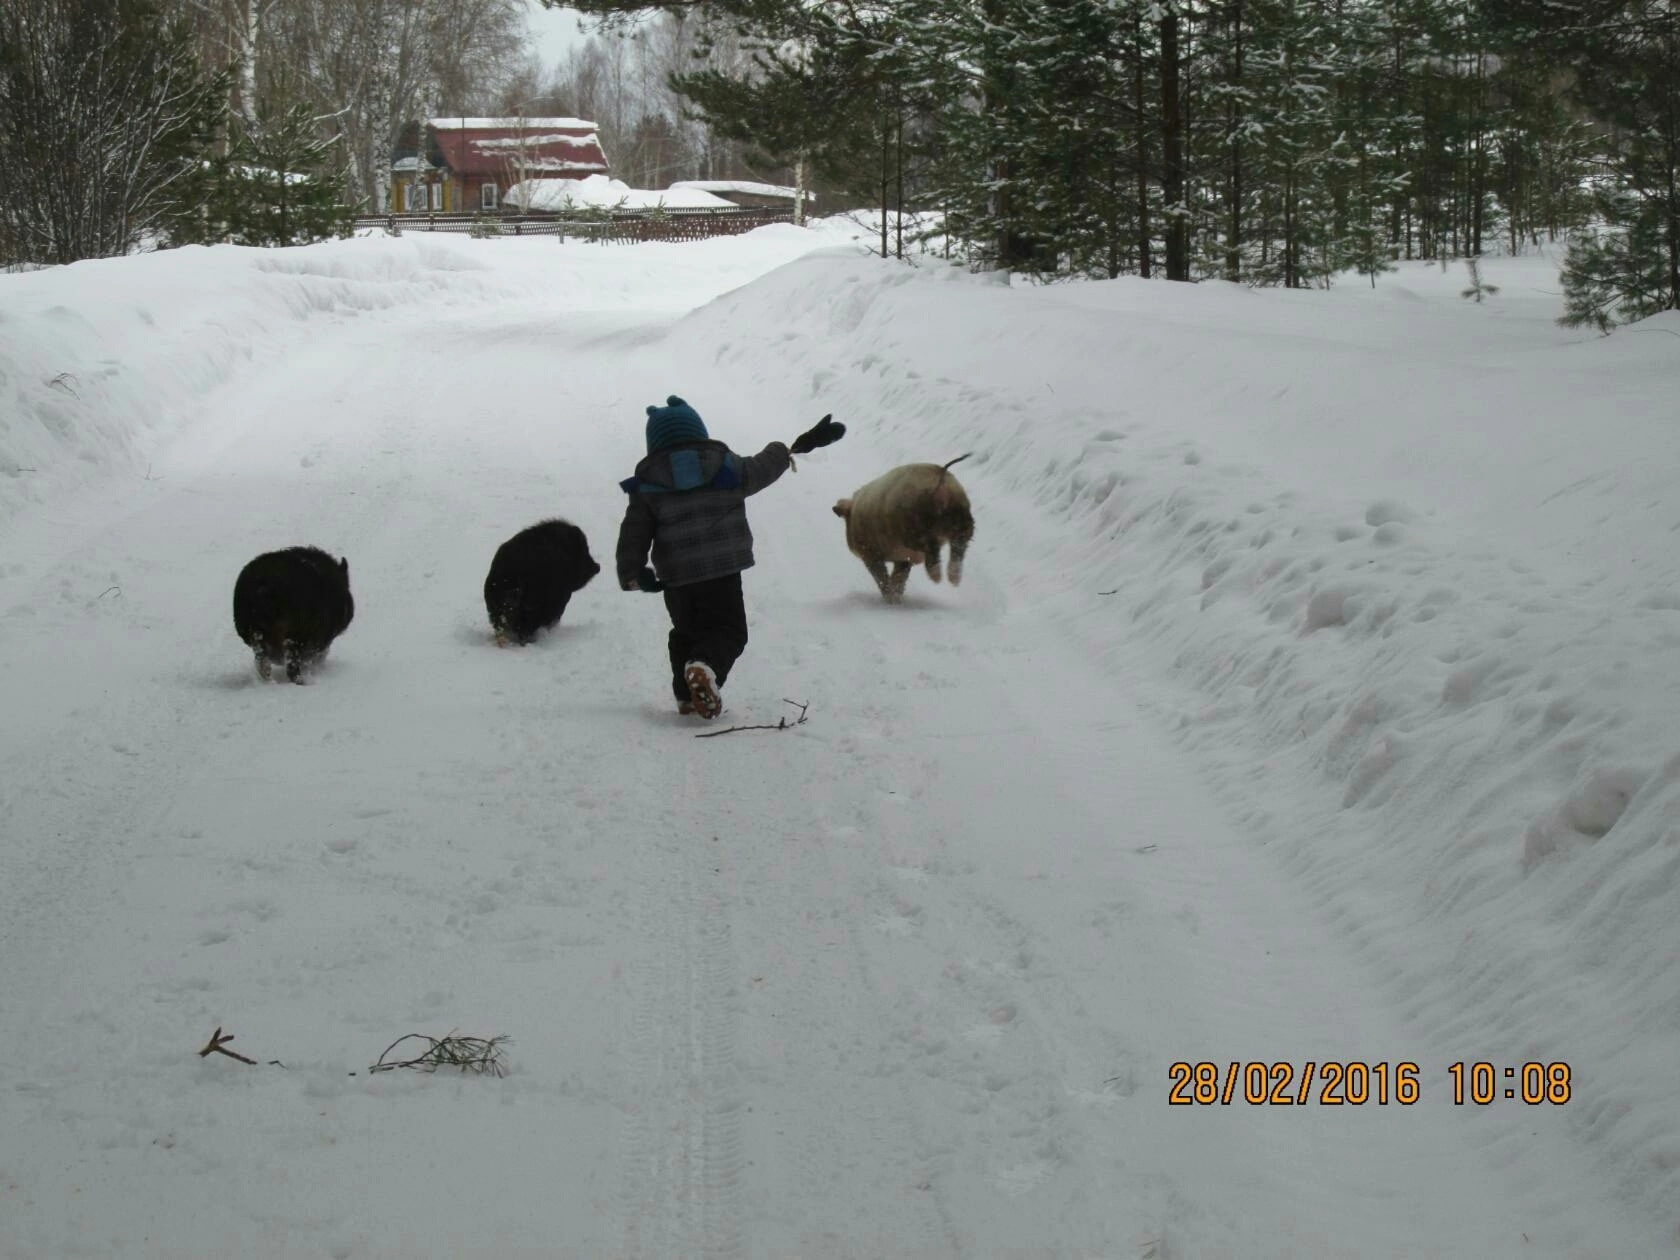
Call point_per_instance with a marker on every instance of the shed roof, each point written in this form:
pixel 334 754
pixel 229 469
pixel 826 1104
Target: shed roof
pixel 743 186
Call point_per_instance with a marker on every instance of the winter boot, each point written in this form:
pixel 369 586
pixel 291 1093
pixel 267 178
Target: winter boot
pixel 702 689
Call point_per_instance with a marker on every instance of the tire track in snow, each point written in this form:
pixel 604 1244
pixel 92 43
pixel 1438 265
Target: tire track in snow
pixel 720 1147
pixel 907 1133
pixel 646 1193
pixel 878 1118
pixel 930 1104
pixel 682 1161
pixel 839 1162
pixel 1012 1068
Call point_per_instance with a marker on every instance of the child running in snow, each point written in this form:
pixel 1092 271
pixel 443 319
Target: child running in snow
pixel 688 501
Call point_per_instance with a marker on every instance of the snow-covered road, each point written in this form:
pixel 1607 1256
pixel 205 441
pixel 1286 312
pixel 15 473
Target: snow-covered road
pixel 905 980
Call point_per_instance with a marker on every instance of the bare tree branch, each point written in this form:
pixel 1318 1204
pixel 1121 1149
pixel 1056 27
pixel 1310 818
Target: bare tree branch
pixel 781 725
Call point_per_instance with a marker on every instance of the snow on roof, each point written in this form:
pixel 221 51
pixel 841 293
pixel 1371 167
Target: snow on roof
pixel 599 190
pixel 538 148
pixel 554 164
pixel 525 124
pixel 516 143
pixel 743 186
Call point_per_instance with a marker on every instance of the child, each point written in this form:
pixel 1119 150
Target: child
pixel 688 500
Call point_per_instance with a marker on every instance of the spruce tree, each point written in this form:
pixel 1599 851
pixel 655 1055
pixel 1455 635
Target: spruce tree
pixel 1619 272
pixel 836 98
pixel 1625 60
pixel 1293 126
pixel 277 185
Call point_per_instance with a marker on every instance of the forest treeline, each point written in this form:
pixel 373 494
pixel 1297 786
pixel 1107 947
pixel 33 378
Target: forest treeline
pixel 1271 142
pixel 1267 142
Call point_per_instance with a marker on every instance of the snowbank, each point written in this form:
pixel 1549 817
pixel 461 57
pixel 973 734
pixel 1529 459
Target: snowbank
pixel 604 192
pixel 1405 558
pixel 103 359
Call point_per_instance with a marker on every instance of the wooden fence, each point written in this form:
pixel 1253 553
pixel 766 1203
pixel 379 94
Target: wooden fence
pixel 616 226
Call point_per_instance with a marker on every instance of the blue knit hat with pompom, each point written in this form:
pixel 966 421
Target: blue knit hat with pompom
pixel 674 424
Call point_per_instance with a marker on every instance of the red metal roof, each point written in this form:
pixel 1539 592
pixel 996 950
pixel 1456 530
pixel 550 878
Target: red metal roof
pixel 537 149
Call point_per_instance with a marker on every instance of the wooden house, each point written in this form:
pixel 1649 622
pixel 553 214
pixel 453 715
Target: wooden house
pixel 468 164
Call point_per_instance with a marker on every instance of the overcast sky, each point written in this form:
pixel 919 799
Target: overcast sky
pixel 553 31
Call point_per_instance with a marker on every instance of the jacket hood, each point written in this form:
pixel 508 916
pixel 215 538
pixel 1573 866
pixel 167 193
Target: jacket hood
pixel 686 467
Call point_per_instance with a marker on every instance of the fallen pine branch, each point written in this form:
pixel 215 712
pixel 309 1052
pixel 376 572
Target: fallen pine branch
pixel 470 1054
pixel 782 725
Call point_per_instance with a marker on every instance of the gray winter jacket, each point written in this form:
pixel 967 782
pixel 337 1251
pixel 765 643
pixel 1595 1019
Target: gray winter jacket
pixel 690 503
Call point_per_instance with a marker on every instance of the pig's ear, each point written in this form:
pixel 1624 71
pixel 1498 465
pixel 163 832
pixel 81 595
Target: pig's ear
pixel 843 509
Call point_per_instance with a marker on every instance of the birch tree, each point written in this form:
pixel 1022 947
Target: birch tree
pixel 231 36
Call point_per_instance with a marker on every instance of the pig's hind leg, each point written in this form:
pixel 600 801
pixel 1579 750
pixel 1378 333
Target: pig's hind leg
pixel 894 589
pixel 959 549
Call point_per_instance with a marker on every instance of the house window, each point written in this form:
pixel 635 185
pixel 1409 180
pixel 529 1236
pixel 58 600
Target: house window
pixel 419 197
pixel 487 196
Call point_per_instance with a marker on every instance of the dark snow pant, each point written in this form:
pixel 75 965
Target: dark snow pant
pixel 708 623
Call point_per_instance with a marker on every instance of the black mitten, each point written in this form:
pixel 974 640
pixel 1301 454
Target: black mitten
pixel 648 580
pixel 822 433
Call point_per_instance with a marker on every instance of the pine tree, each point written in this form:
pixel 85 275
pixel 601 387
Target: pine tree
pixel 1479 288
pixel 1625 59
pixel 1058 139
pixel 1291 60
pixel 835 97
pixel 1620 272
pixel 1228 101
pixel 277 186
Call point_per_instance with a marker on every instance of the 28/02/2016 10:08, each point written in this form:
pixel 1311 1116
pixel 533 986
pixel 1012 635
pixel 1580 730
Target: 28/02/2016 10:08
pixel 1339 1083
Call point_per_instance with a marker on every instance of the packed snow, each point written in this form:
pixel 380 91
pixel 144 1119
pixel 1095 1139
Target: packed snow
pixel 1309 697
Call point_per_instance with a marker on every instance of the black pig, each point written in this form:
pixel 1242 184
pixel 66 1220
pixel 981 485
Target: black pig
pixel 289 606
pixel 533 578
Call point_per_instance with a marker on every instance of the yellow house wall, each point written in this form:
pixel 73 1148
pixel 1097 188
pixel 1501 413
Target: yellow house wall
pixel 399 196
